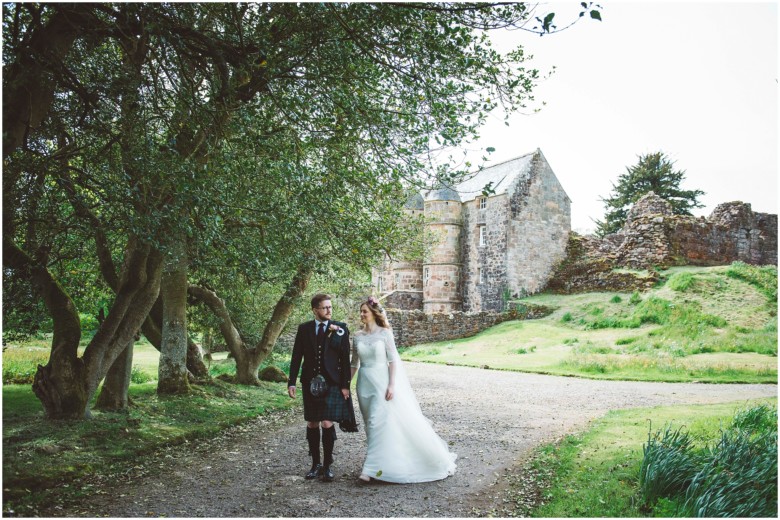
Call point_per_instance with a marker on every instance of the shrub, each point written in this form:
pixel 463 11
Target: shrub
pixel 758 419
pixel 736 477
pixel 566 317
pixel 625 341
pixel 615 299
pixel 668 466
pixel 138 376
pixel 739 479
pixel 635 298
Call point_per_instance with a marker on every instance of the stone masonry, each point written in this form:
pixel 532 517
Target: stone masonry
pixel 415 327
pixel 653 237
pixel 487 249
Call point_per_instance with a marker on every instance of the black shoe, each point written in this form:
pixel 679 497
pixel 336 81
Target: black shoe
pixel 328 475
pixel 314 472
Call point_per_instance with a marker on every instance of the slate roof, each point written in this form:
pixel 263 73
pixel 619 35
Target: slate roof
pixel 501 176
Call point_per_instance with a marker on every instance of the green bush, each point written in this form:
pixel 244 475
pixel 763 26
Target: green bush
pixel 615 299
pixel 739 479
pixel 566 317
pixel 736 477
pixel 635 298
pixel 625 341
pixel 138 376
pixel 758 419
pixel 668 466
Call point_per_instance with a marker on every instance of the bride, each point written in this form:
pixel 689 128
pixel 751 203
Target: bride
pixel 402 446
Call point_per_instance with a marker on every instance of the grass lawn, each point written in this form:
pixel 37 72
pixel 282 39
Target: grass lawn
pixel 39 456
pixel 700 325
pixel 596 473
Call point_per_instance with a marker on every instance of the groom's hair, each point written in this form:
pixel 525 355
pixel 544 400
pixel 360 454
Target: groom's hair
pixel 319 298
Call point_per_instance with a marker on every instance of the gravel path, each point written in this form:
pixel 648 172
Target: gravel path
pixel 491 418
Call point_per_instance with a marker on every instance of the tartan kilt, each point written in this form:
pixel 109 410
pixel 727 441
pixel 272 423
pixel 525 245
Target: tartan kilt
pixel 330 407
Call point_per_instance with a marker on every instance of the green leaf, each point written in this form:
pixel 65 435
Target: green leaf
pixel 595 15
pixel 379 473
pixel 490 149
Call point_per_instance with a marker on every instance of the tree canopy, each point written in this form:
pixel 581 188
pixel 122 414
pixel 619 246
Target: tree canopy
pixel 653 172
pixel 160 154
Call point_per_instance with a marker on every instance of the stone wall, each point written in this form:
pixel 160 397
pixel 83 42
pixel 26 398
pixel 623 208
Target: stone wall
pixel 590 266
pixel 490 258
pixel 539 226
pixel 416 327
pixel 410 300
pixel 653 237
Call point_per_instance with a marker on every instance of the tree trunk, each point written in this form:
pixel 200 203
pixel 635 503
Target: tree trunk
pixel 60 385
pixel 232 338
pixel 139 287
pixel 284 307
pixel 113 395
pixel 152 329
pixel 173 353
pixel 246 369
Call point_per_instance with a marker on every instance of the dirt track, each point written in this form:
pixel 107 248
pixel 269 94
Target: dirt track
pixel 490 418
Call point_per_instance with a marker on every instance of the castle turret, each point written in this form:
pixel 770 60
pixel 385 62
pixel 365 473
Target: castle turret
pixel 399 282
pixel 442 265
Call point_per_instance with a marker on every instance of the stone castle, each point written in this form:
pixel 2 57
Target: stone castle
pixel 488 249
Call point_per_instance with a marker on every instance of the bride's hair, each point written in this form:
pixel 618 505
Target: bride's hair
pixel 379 313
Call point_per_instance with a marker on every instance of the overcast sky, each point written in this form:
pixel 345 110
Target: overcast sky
pixel 696 80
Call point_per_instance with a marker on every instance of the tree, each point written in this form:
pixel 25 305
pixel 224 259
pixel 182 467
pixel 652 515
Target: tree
pixel 204 142
pixel 653 172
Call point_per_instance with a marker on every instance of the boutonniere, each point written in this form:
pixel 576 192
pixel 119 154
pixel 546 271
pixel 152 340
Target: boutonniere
pixel 335 328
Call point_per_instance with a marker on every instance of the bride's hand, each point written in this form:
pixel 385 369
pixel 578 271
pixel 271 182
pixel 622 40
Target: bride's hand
pixel 389 393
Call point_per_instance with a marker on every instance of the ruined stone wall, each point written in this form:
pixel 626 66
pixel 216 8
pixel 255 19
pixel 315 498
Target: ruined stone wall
pixel 416 327
pixel 653 237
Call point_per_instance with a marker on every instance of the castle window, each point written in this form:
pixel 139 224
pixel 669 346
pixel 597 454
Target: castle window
pixel 426 275
pixel 482 202
pixel 397 280
pixel 480 275
pixel 482 235
pixel 379 283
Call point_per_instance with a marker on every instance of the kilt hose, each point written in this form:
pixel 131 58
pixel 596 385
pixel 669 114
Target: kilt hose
pixel 330 407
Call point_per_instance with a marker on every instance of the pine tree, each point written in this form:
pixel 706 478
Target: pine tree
pixel 654 172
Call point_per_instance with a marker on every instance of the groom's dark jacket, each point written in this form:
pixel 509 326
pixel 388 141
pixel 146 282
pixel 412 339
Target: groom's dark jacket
pixel 336 367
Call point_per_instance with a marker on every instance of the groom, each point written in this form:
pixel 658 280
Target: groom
pixel 323 346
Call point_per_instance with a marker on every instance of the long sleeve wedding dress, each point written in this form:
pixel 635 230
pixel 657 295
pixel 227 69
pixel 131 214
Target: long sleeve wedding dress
pixel 402 445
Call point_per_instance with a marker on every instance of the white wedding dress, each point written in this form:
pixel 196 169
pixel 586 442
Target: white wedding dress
pixel 402 445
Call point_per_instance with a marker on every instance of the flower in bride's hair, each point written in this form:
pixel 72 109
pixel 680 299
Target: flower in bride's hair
pixel 372 301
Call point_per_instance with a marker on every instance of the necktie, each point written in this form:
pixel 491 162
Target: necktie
pixel 321 334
